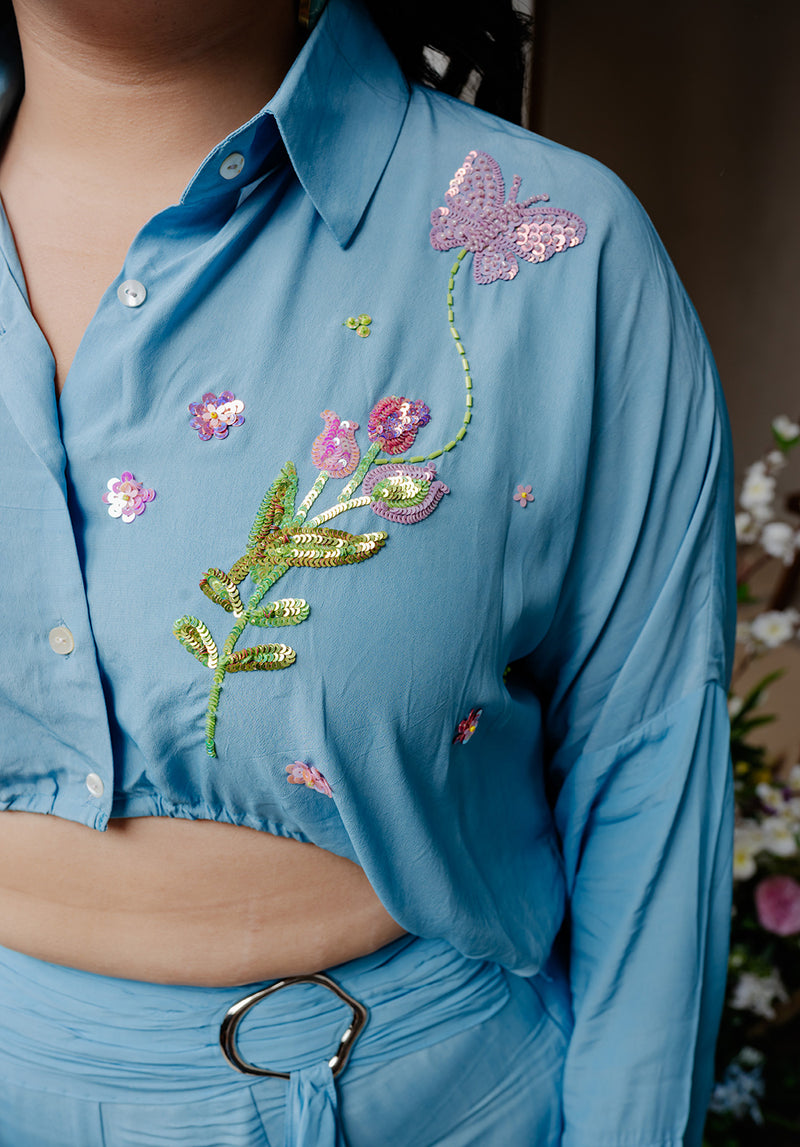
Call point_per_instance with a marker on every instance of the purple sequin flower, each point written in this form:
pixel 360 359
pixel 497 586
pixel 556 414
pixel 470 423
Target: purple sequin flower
pixel 405 493
pixel 394 423
pixel 214 415
pixel 498 230
pixel 302 774
pixel 127 498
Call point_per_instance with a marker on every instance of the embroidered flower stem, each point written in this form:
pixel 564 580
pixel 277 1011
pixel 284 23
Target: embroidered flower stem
pixel 339 509
pixel 361 470
pixel 227 651
pixel 467 376
pixel 310 499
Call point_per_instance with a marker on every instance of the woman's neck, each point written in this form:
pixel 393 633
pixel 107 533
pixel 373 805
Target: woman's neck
pixel 144 88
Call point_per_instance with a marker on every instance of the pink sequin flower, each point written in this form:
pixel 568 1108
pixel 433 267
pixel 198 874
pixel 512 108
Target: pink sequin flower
pixel 301 774
pixel 394 423
pixel 214 415
pixel 497 230
pixel 127 498
pixel 778 905
pixel 335 451
pixel 467 727
pixel 523 495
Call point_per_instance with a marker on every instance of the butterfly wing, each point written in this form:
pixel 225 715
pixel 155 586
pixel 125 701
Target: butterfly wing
pixel 494 263
pixel 475 192
pixel 545 231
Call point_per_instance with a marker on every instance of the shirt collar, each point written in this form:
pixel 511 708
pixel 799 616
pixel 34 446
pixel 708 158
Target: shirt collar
pixel 339 112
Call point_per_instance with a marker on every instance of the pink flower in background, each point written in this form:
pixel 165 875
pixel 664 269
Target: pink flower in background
pixel 778 905
pixel 303 774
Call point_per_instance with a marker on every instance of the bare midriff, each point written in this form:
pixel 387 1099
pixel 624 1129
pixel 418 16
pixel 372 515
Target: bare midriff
pixel 181 901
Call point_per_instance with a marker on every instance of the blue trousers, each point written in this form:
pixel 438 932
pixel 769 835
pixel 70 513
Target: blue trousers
pixel 455 1052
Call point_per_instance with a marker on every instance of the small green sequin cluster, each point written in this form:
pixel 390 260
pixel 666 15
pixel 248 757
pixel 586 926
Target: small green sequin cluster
pixel 360 325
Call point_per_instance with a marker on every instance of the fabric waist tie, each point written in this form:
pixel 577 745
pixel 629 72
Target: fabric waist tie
pixel 110 1039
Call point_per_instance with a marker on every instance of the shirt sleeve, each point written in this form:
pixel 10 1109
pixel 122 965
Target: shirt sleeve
pixel 633 672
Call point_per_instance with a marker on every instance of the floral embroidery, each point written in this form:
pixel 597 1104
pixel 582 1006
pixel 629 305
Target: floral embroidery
pixel 523 495
pixel 360 325
pixel 309 775
pixel 283 537
pixel 335 450
pixel 404 493
pixel 213 416
pixel 467 727
pixel 478 218
pixel 394 423
pixel 127 498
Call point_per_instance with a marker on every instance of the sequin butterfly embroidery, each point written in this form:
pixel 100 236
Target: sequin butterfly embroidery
pixel 499 231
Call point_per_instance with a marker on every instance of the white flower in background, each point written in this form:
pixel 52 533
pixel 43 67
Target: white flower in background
pixel 741 1089
pixel 785 428
pixel 778 836
pixel 793 780
pixel 774 627
pixel 748 841
pixel 758 491
pixel 758 994
pixel 780 541
pixel 746 528
pixel 776 460
pixel 743 633
pixel 734 707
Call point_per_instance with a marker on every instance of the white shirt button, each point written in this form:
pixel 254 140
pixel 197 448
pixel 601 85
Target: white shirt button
pixel 132 293
pixel 95 785
pixel 61 640
pixel 232 165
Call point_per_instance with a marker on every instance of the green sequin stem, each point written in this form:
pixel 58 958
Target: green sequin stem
pixel 358 477
pixel 451 320
pixel 310 499
pixel 230 643
pixel 340 509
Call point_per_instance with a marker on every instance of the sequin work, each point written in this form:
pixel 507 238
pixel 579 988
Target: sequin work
pixel 335 450
pixel 360 325
pixel 497 231
pixel 308 775
pixel 213 416
pixel 126 498
pixel 467 727
pixel 523 495
pixel 283 537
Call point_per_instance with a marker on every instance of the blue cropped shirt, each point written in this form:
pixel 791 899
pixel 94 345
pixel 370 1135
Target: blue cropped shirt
pixel 387 506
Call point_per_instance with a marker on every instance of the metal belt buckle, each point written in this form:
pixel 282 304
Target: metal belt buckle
pixel 227 1031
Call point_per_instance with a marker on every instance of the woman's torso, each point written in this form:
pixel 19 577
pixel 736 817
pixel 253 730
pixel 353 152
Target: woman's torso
pixel 155 898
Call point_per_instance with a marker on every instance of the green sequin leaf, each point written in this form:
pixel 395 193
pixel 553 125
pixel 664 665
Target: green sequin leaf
pixel 315 546
pixel 274 656
pixel 195 636
pixel 277 507
pixel 221 589
pixel 286 611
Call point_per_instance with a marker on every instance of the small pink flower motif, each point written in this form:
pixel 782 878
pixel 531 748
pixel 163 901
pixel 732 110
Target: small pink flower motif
pixel 303 774
pixel 335 451
pixel 778 905
pixel 467 727
pixel 214 415
pixel 394 423
pixel 127 498
pixel 523 495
